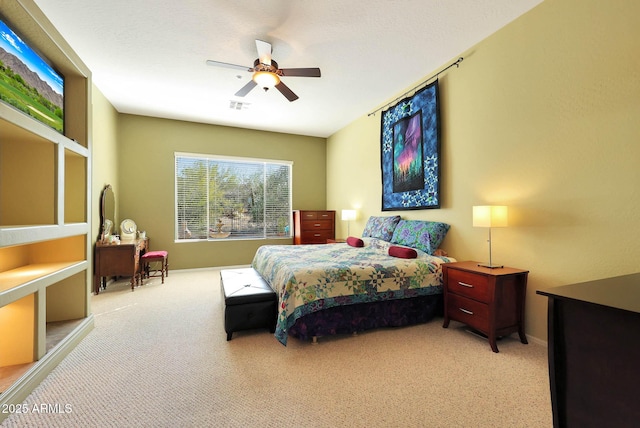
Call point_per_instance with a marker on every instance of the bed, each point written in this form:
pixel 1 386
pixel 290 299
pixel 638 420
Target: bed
pixel 328 289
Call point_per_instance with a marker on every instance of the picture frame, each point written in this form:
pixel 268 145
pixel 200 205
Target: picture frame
pixel 410 152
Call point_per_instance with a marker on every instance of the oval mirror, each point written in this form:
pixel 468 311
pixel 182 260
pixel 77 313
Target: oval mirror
pixel 107 211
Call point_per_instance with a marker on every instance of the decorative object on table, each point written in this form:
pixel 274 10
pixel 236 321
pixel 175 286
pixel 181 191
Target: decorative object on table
pixel 348 215
pixel 128 230
pixel 218 233
pixel 410 146
pixel 107 225
pixel 490 216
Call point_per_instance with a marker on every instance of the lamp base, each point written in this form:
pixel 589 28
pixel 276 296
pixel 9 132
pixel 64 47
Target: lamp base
pixel 490 266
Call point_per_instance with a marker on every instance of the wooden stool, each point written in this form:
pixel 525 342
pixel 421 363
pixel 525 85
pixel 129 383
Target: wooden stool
pixel 161 257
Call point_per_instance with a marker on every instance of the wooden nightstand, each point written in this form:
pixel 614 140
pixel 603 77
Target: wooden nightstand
pixel 488 300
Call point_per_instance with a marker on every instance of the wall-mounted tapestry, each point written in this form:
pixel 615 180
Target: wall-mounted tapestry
pixel 410 152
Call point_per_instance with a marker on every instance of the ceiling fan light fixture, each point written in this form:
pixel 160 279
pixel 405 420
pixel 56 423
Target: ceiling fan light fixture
pixel 266 79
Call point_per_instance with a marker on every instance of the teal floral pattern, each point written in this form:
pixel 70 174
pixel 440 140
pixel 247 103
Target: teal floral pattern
pixel 380 227
pixel 421 235
pixel 309 278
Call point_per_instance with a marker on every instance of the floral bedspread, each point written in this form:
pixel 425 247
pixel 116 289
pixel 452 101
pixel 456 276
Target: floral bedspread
pixel 309 278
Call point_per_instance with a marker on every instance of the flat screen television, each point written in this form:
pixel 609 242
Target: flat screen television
pixel 28 82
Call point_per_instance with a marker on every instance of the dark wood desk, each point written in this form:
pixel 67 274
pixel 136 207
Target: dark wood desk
pixel 594 352
pixel 118 260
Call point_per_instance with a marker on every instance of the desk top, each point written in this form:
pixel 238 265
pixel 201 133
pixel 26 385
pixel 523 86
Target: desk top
pixel 620 292
pixel 137 242
pixel 475 267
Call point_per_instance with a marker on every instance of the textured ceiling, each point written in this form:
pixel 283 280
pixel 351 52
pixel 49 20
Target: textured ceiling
pixel 148 56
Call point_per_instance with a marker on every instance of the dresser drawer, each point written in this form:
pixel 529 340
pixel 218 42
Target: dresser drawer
pixel 325 215
pixel 317 224
pixel 317 215
pixel 468 311
pixel 468 284
pixel 317 236
pixel 308 215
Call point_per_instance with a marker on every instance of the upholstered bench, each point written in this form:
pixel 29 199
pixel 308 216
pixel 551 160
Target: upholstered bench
pixel 161 257
pixel 249 302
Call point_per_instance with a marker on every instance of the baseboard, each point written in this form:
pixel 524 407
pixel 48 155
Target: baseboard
pixel 530 339
pixel 210 268
pixel 537 341
pixel 21 389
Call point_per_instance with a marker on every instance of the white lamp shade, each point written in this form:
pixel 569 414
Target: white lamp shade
pixel 490 216
pixel 348 215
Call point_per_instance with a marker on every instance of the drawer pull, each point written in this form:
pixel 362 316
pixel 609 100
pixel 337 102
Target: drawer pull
pixel 317 234
pixel 317 225
pixel 464 284
pixel 466 311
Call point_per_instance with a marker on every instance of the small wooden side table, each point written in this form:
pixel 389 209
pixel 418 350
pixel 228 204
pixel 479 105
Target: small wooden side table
pixel 490 301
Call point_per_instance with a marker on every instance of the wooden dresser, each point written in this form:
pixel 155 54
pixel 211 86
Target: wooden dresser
pixel 489 300
pixel 594 351
pixel 313 227
pixel 121 259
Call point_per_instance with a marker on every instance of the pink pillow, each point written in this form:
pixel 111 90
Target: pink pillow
pixel 355 242
pixel 403 252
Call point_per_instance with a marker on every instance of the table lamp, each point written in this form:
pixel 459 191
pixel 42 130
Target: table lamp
pixel 490 216
pixel 348 215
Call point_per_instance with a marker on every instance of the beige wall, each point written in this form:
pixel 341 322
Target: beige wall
pixel 105 157
pixel 146 148
pixel 543 116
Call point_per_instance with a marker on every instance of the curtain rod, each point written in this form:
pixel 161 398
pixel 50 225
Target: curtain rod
pixel 456 63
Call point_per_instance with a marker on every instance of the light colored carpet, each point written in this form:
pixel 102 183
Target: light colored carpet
pixel 158 357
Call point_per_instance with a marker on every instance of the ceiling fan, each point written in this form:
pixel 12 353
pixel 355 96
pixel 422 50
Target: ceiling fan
pixel 266 72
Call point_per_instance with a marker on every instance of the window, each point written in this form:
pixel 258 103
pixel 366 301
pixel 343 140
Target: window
pixel 231 198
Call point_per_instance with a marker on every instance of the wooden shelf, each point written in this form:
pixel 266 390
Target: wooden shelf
pixel 10 374
pixel 25 276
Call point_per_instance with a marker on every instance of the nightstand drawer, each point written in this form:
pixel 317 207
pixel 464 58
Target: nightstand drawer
pixel 468 311
pixel 468 284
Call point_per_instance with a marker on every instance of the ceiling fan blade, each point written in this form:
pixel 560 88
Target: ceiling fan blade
pixel 284 90
pixel 227 65
pixel 264 52
pixel 246 88
pixel 301 72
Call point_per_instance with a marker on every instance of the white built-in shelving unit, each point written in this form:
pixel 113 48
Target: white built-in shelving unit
pixel 45 219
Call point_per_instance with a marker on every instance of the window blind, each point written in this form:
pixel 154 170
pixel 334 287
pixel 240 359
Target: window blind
pixel 231 198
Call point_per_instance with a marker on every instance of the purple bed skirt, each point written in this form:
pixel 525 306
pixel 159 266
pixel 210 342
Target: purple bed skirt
pixel 366 316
